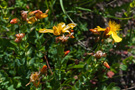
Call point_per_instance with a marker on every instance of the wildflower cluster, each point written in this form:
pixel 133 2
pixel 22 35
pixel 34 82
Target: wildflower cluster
pixel 64 61
pixel 60 29
pixel 30 17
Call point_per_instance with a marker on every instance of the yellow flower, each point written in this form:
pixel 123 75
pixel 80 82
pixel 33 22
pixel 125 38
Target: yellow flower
pixel 37 14
pixel 31 20
pixel 112 29
pixel 59 29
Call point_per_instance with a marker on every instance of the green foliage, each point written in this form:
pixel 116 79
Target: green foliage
pixel 80 69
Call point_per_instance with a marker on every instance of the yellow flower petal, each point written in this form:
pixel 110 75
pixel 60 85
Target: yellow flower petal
pixel 56 30
pixel 61 25
pixel 114 26
pixel 31 20
pixel 100 29
pixel 110 32
pixel 43 15
pixel 46 30
pixel 71 25
pixel 65 29
pixel 116 37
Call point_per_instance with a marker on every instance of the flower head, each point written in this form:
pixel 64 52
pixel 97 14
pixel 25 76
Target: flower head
pixel 19 37
pixel 31 20
pixel 59 29
pixel 37 14
pixel 99 54
pixel 35 79
pixel 112 29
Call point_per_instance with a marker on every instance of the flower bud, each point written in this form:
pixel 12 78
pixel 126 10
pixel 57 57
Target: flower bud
pixel 66 52
pixel 95 31
pixel 72 30
pixel 43 70
pixel 14 21
pixel 106 65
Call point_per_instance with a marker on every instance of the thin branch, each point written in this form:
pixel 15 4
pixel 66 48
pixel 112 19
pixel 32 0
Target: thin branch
pixel 48 64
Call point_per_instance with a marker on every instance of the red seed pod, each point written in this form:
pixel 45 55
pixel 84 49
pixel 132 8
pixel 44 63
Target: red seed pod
pixel 43 70
pixel 17 40
pixel 66 52
pixel 14 21
pixel 106 65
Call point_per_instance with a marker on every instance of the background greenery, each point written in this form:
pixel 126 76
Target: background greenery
pixel 19 60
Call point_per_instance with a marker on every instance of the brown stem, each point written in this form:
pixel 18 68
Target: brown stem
pixel 48 64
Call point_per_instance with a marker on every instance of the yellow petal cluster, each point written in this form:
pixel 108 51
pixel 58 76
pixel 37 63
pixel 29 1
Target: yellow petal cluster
pixel 112 29
pixel 59 29
pixel 37 14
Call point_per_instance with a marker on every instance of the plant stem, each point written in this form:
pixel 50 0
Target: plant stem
pixel 48 64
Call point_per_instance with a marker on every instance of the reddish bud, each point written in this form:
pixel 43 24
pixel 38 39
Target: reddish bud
pixel 106 65
pixel 43 70
pixel 66 52
pixel 72 30
pixel 95 31
pixel 110 74
pixel 14 21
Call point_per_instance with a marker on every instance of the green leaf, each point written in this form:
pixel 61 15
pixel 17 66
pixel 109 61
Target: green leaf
pixel 85 9
pixel 11 87
pixel 28 52
pixel 123 67
pixel 81 65
pixel 115 88
pixel 67 57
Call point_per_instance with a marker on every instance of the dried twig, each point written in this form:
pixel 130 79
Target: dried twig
pixel 48 64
